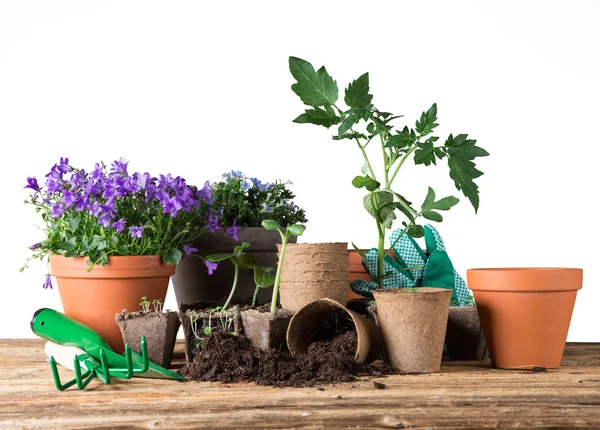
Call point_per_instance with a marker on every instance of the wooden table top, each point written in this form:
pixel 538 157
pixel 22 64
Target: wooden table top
pixel 463 394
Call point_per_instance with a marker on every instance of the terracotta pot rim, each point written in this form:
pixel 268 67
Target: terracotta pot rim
pixel 525 279
pixel 119 266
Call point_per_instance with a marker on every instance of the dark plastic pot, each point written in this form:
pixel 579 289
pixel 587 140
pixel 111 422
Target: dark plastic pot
pixel 192 283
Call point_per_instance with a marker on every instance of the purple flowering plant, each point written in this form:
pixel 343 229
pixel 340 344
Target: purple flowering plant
pixel 109 212
pixel 243 201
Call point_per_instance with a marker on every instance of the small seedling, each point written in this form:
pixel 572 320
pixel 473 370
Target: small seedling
pixel 291 230
pixel 145 304
pixel 157 305
pixel 264 277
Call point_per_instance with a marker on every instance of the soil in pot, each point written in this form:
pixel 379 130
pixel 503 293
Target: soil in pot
pixel 413 322
pixel 264 330
pixel 200 319
pixel 227 358
pixel 464 336
pixel 159 328
pixel 192 282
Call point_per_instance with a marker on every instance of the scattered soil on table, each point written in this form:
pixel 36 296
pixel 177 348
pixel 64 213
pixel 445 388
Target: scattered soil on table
pixel 379 385
pixel 227 358
pixel 538 369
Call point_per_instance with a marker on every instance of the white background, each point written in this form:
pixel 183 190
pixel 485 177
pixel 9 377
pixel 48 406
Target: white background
pixel 199 88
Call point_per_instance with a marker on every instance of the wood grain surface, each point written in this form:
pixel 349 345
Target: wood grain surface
pixel 462 395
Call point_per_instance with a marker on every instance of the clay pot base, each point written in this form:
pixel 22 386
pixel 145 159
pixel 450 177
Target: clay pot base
pixel 159 328
pixel 264 330
pixel 323 320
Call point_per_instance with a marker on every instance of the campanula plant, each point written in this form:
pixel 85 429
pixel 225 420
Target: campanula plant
pixel 245 201
pixel 369 128
pixel 109 212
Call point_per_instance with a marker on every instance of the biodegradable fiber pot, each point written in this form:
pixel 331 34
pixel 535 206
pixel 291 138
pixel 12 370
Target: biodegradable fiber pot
pixel 313 271
pixel 159 328
pixel 322 319
pixel 264 330
pixel 413 322
pixel 193 284
pixel 95 297
pixel 525 313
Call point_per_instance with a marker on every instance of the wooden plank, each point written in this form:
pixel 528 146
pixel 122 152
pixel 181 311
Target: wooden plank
pixel 463 394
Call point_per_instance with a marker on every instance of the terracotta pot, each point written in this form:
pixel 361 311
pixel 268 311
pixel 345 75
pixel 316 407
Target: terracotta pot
pixel 413 323
pixel 307 326
pixel 192 283
pixel 357 271
pixel 266 331
pixel 525 313
pixel 159 328
pixel 313 271
pixel 464 336
pixel 95 297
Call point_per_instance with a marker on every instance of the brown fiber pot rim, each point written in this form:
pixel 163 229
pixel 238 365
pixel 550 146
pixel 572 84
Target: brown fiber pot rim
pixel 525 279
pixel 417 290
pixel 134 266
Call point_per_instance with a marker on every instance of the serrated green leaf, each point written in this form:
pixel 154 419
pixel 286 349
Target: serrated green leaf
pixel 71 244
pixel 172 256
pixel 439 153
pixel 347 123
pixel 371 128
pixel 357 93
pixel 264 277
pixel 73 223
pixel 401 140
pixel 269 224
pixel 296 229
pixel 350 136
pixel 365 181
pixel 426 123
pixel 425 154
pixel 313 88
pixel 387 215
pixel 318 116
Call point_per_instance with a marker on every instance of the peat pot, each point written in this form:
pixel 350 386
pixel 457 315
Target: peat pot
pixel 264 330
pixel 95 297
pixel 192 283
pixel 413 322
pixel 525 313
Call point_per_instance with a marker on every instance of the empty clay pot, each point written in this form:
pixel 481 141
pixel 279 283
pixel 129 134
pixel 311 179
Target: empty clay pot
pixel 307 326
pixel 314 271
pixel 192 283
pixel 95 297
pixel 266 331
pixel 159 328
pixel 525 313
pixel 413 323
pixel 464 336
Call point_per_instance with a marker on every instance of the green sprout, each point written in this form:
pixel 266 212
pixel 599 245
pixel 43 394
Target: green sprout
pixel 157 305
pixel 264 277
pixel 291 230
pixel 145 304
pixel 240 259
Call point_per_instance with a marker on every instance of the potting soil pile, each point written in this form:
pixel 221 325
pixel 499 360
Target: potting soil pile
pixel 227 358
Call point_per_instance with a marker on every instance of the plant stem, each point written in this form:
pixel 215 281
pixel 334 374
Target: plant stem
pixel 380 254
pixel 364 154
pixel 410 151
pixel 235 281
pixel 254 297
pixel 385 164
pixel 278 275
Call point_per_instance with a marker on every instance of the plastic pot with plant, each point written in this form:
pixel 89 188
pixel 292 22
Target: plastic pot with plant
pixel 264 327
pixel 157 325
pixel 368 127
pixel 241 203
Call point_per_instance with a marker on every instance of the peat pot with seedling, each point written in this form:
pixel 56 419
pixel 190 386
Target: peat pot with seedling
pixel 112 237
pixel 159 327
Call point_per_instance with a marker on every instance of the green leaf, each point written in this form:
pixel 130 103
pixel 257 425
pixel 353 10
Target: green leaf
pixel 172 256
pixel 365 181
pixel 207 330
pixel 350 136
pixel 427 122
pixel 360 251
pixel 313 88
pixel 296 229
pixel 269 224
pixel 425 153
pixel 404 210
pixel 461 153
pixel 220 256
pixel 71 244
pixel 387 215
pixel 325 117
pixel 403 139
pixel 357 93
pixel 433 216
pixel 73 223
pixel 371 128
pixel 264 277
pixel 374 201
pixel 238 249
pixel 416 231
pixel 246 261
pixel 429 206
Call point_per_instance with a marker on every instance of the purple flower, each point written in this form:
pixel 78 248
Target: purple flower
pixel 233 230
pixel 35 246
pixel 81 204
pixel 246 186
pixel 54 172
pixel 266 208
pixel 205 192
pixel 97 173
pixel 165 181
pixel 119 225
pixel 69 198
pixel 48 282
pixel 136 231
pixel 143 181
pixel 53 185
pixel 95 209
pixel 64 167
pixel 105 220
pixel 172 206
pixel 32 183
pixel 119 166
pixel 78 178
pixel 211 266
pixel 92 188
pixel 57 210
pixel 213 222
pixel 188 250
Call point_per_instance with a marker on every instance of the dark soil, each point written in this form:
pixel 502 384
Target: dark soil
pixel 379 385
pixel 227 358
